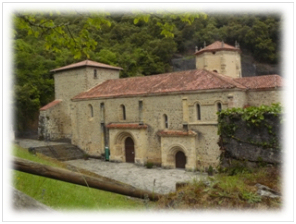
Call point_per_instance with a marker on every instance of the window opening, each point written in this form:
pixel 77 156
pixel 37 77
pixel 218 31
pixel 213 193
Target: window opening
pixel 95 73
pixel 219 107
pixel 91 110
pixel 102 110
pixel 123 112
pixel 166 124
pixel 198 111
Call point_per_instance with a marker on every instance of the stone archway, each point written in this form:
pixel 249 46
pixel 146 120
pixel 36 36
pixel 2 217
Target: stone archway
pixel 125 147
pixel 177 157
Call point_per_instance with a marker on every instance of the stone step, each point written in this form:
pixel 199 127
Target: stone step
pixel 62 152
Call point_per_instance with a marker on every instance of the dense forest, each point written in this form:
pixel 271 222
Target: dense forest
pixel 141 44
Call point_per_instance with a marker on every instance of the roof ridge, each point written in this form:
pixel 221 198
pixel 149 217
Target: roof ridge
pixel 226 78
pixel 86 62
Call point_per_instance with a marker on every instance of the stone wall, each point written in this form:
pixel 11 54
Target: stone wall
pixel 50 123
pixel 249 143
pixel 88 127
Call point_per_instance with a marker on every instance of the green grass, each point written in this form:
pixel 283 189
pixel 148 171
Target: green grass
pixel 60 195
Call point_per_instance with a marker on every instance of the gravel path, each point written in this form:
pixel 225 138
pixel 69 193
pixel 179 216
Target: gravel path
pixel 156 180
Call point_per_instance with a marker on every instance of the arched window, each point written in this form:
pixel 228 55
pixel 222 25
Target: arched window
pixel 219 106
pixel 123 114
pixel 165 120
pixel 91 110
pixel 198 111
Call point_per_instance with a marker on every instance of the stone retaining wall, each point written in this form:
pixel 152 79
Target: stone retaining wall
pixel 249 143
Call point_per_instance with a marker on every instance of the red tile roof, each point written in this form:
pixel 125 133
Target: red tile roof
pixel 177 133
pixel 51 104
pixel 84 64
pixel 126 126
pixel 217 46
pixel 175 82
pixel 261 82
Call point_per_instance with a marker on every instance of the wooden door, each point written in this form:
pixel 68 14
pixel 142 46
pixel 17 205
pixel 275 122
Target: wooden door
pixel 180 160
pixel 129 150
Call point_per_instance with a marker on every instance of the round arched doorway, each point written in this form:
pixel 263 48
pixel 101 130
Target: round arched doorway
pixel 180 160
pixel 129 150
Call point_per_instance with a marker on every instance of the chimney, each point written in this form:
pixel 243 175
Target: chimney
pixel 222 44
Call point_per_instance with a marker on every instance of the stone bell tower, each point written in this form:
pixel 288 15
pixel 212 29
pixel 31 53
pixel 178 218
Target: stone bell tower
pixel 220 57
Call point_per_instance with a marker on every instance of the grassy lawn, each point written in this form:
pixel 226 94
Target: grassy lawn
pixel 60 195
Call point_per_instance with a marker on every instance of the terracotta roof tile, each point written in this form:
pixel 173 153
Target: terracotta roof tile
pixel 50 105
pixel 261 82
pixel 126 126
pixel 84 64
pixel 161 84
pixel 177 133
pixel 217 46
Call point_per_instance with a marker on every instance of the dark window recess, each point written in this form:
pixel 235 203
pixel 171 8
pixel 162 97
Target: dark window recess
pixel 102 112
pixel 198 111
pixel 95 73
pixel 140 111
pixel 123 112
pixel 91 110
pixel 166 123
pixel 219 107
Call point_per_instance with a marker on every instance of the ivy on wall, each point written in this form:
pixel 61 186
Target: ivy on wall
pixel 261 125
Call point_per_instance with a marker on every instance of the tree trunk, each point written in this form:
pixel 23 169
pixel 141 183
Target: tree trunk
pixel 80 179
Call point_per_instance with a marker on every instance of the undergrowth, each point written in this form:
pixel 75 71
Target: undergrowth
pixel 224 191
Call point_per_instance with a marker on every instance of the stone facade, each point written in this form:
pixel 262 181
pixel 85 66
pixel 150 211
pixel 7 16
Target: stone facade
pixel 163 115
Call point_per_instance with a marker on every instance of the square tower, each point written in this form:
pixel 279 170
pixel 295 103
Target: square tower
pixel 220 57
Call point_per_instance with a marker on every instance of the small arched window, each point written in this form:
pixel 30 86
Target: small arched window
pixel 165 120
pixel 198 111
pixel 219 106
pixel 91 110
pixel 123 114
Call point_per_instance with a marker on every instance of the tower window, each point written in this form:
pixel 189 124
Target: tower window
pixel 198 111
pixel 219 107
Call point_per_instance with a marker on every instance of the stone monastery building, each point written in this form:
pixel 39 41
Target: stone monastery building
pixel 167 119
